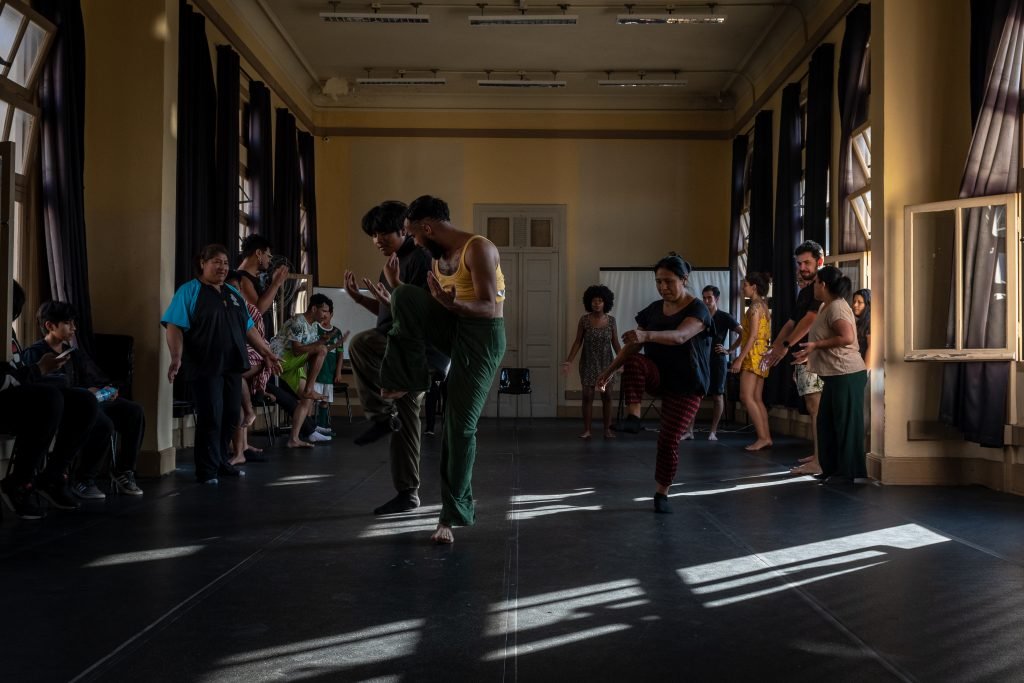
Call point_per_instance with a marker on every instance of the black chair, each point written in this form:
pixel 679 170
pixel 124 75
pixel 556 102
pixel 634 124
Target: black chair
pixel 515 382
pixel 269 411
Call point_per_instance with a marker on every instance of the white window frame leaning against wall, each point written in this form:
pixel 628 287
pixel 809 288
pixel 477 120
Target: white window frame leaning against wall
pixel 925 253
pixel 859 205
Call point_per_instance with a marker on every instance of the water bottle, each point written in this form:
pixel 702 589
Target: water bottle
pixel 105 394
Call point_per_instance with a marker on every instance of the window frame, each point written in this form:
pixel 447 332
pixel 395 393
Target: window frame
pixel 1012 350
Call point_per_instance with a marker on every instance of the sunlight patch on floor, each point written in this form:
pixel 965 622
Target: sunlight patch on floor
pixel 849 554
pixel 519 512
pixel 300 479
pixel 423 518
pixel 145 556
pixel 573 604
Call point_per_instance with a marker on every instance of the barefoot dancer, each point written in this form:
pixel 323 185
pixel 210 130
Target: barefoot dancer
pixel 598 338
pixel 462 317
pixel 754 340
pixel 675 335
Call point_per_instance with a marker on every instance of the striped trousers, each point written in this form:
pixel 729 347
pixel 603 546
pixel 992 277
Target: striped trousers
pixel 641 375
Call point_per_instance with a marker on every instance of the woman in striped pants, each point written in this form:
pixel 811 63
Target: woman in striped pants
pixel 675 335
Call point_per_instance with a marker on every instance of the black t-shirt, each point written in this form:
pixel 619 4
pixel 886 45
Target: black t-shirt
pixel 805 302
pixel 684 369
pixel 413 266
pixel 214 324
pixel 724 324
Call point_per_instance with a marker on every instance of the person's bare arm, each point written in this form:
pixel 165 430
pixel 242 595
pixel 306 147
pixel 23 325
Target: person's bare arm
pixel 689 328
pixel 257 342
pixel 352 289
pixel 755 320
pixel 175 340
pixel 576 346
pixel 481 258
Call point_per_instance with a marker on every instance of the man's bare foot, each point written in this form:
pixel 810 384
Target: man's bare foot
pixel 237 460
pixel 313 396
pixel 298 444
pixel 442 535
pixel 809 458
pixel 609 434
pixel 392 393
pixel 808 468
pixel 758 445
pixel 248 419
pixel 254 449
pixel 585 435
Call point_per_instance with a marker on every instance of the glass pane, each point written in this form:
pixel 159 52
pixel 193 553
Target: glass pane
pixel 851 269
pixel 984 262
pixel 863 146
pixel 19 242
pixel 498 229
pixel 26 61
pixel 540 233
pixel 862 207
pixel 21 134
pixel 10 22
pixel 4 107
pixel 933 279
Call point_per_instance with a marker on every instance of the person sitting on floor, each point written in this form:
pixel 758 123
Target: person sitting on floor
pixel 57 322
pixel 298 343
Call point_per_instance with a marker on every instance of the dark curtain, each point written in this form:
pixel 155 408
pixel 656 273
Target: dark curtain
pixel 788 227
pixel 258 137
pixel 974 395
pixel 308 167
pixel 854 89
pixel 225 225
pixel 197 122
pixel 284 232
pixel 62 125
pixel 739 167
pixel 818 152
pixel 759 256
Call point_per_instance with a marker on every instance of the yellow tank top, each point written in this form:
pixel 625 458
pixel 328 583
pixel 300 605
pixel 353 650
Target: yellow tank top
pixel 462 279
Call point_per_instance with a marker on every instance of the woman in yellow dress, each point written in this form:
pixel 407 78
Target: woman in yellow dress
pixel 754 341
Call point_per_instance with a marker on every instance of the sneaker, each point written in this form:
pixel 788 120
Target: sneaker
pixel 686 436
pixel 125 483
pixel 318 437
pixel 58 494
pixel 661 505
pixel 18 500
pixel 326 431
pixel 227 470
pixel 403 502
pixel 87 490
pixel 712 436
pixel 632 424
pixel 377 430
pixel 212 481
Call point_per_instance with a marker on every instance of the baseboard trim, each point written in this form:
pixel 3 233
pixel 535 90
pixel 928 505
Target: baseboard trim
pixel 156 463
pixel 944 472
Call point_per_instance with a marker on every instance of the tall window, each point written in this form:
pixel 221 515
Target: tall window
pixel 741 256
pixel 857 265
pixel 244 182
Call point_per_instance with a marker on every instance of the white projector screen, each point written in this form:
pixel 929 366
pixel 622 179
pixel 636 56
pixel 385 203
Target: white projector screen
pixel 634 290
pixel 348 315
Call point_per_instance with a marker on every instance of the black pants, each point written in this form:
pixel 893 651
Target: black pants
pixel 289 401
pixel 128 419
pixel 218 401
pixel 31 413
pixel 80 412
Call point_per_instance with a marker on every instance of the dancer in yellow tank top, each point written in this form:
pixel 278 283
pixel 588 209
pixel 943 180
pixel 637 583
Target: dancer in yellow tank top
pixel 462 316
pixel 754 341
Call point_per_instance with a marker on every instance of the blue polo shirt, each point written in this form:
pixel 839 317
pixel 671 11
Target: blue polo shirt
pixel 214 323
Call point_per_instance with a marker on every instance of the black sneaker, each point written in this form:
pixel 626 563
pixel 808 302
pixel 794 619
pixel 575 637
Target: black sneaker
pixel 632 424
pixel 58 494
pixel 661 504
pixel 403 502
pixel 376 431
pixel 18 500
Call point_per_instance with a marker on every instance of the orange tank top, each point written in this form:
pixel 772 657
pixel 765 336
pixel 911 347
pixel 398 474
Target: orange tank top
pixel 462 279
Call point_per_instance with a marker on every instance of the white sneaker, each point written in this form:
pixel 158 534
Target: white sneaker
pixel 326 431
pixel 712 437
pixel 687 436
pixel 317 437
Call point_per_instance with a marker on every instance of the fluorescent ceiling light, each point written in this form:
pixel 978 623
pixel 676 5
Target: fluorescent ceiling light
pixel 643 83
pixel 402 81
pixel 626 19
pixel 358 18
pixel 517 83
pixel 524 20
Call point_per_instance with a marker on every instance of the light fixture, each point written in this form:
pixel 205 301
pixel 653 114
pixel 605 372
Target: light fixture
pixel 523 19
pixel 374 17
pixel 521 82
pixel 402 80
pixel 643 81
pixel 670 17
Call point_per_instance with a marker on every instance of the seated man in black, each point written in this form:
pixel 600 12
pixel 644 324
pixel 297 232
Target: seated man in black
pixel 57 321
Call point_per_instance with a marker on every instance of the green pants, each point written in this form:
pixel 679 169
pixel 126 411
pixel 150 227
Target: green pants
pixel 841 425
pixel 366 351
pixel 476 347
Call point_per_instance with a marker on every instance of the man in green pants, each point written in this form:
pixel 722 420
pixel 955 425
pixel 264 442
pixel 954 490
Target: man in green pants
pixel 461 316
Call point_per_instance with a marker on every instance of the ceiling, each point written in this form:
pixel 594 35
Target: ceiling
pixel 718 62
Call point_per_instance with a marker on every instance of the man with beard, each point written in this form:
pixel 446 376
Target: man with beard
pixel 462 316
pixel 400 418
pixel 809 258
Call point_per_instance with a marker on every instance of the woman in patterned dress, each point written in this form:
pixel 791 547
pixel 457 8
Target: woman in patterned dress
pixel 754 341
pixel 598 338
